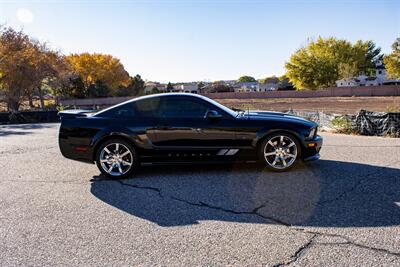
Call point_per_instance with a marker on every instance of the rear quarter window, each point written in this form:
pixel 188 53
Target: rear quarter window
pixel 120 112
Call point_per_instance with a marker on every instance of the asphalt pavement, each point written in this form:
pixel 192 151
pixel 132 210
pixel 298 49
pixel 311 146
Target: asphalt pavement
pixel 341 210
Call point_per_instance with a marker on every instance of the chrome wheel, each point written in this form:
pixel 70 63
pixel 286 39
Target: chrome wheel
pixel 280 152
pixel 116 159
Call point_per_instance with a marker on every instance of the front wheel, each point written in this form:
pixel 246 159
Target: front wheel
pixel 279 152
pixel 117 158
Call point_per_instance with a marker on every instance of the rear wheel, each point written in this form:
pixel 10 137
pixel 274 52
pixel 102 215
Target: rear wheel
pixel 117 158
pixel 279 152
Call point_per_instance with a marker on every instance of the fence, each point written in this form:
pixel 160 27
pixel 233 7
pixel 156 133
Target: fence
pixel 385 90
pixel 29 117
pixel 363 123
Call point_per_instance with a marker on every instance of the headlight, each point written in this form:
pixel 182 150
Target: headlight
pixel 312 133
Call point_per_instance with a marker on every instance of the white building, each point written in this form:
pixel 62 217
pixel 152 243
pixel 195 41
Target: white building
pixel 247 87
pixel 186 88
pixel 152 87
pixel 380 78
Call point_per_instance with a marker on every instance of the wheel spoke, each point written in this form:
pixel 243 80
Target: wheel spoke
pixel 274 163
pixel 106 150
pixel 281 140
pixel 125 153
pixel 291 155
pixel 290 145
pixel 104 160
pixel 284 162
pixel 270 153
pixel 272 144
pixel 116 148
pixel 111 168
pixel 119 168
pixel 126 163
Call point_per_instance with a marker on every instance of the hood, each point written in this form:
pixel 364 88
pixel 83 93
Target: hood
pixel 276 116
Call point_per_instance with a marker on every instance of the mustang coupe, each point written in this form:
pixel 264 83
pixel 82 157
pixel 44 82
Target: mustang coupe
pixel 174 127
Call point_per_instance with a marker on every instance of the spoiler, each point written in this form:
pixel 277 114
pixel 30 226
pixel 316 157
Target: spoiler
pixel 74 113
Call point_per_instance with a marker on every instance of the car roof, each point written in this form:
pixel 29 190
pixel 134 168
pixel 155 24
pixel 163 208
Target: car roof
pixel 152 96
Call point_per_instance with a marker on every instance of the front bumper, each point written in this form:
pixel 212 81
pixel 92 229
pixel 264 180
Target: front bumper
pixel 311 148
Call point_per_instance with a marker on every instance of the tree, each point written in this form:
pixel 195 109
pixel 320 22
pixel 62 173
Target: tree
pixel 246 79
pixel 99 67
pixel 47 66
pixel 322 62
pixel 348 70
pixel 169 87
pixel 392 61
pixel 17 66
pixel 134 88
pixel 99 89
pixel 271 79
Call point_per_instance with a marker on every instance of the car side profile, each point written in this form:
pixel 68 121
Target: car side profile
pixel 181 127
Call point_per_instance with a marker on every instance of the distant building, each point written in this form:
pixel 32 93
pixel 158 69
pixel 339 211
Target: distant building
pixel 270 84
pixel 247 87
pixel 380 78
pixel 154 87
pixel 186 88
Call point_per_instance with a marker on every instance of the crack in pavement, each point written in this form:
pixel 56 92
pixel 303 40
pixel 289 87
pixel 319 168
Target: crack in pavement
pixel 299 252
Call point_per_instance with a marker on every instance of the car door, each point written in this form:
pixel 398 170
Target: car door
pixel 183 125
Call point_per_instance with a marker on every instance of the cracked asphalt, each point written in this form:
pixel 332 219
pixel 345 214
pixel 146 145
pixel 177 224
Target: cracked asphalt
pixel 341 210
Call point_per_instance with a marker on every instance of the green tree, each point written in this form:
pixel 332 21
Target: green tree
pixel 99 89
pixel 322 62
pixel 392 61
pixel 246 79
pixel 170 87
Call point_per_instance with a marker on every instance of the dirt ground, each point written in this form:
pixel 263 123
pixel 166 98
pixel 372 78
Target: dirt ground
pixel 339 105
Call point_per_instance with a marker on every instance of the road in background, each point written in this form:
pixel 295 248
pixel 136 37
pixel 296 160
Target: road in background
pixel 341 210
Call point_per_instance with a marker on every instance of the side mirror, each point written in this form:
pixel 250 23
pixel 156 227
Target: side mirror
pixel 212 115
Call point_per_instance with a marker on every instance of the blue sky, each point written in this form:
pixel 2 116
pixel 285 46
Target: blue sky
pixel 201 40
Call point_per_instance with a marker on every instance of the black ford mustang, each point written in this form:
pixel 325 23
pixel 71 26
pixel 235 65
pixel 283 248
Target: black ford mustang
pixel 173 127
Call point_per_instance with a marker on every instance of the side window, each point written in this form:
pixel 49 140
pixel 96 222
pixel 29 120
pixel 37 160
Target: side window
pixel 183 108
pixel 147 107
pixel 124 111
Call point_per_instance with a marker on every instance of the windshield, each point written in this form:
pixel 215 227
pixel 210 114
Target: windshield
pixel 220 106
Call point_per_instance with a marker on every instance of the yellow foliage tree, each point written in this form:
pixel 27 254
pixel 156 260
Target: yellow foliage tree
pixel 392 61
pixel 99 67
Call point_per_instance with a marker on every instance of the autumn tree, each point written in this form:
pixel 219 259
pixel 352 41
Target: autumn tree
pixel 392 61
pixel 96 67
pixel 16 66
pixel 246 79
pixel 48 65
pixel 322 62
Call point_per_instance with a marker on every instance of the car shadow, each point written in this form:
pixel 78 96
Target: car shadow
pixel 324 193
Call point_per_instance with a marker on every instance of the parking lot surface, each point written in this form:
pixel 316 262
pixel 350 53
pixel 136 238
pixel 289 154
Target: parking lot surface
pixel 341 210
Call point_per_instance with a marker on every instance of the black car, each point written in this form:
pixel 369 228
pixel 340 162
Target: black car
pixel 174 127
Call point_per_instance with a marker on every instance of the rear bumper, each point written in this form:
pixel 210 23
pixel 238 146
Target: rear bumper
pixel 311 148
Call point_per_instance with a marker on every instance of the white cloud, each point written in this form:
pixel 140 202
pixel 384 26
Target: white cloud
pixel 24 15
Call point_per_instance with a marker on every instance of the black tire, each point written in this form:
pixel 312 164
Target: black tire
pixel 117 162
pixel 286 154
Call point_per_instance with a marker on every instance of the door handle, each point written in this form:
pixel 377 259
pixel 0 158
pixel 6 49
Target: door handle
pixel 199 130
